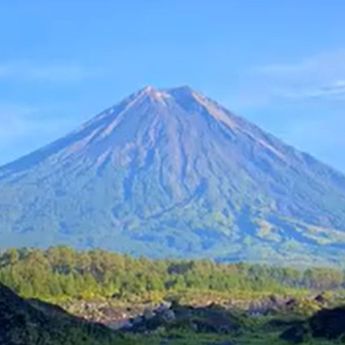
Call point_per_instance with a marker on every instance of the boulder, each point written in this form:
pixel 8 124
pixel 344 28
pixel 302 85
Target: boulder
pixel 167 316
pixel 328 323
pixel 295 334
pixel 321 299
pixel 149 314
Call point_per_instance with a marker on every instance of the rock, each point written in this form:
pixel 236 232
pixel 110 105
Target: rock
pixel 320 299
pixel 167 315
pixel 163 306
pixel 137 320
pixel 291 303
pixel 123 325
pixel 279 323
pixel 214 319
pixel 328 323
pixel 153 319
pixel 295 334
pixel 211 319
pixel 149 314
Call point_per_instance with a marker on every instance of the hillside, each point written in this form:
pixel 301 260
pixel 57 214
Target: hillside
pixel 24 323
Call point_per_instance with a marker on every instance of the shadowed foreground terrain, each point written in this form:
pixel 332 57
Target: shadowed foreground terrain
pixel 36 323
pixel 115 299
pixel 26 323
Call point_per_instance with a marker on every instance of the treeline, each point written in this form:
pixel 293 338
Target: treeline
pixel 61 272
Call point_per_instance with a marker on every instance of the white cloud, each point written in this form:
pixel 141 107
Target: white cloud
pixel 319 65
pixel 318 76
pixel 300 101
pixel 335 90
pixel 47 72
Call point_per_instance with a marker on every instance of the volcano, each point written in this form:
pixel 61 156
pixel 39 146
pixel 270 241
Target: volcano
pixel 171 173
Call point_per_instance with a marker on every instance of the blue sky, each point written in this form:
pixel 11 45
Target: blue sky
pixel 280 64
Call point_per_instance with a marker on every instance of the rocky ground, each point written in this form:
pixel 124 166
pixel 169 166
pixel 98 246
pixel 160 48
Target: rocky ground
pixel 285 319
pixel 118 315
pixel 273 321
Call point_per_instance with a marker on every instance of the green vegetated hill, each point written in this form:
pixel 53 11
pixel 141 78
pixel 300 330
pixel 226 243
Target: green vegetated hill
pixel 171 173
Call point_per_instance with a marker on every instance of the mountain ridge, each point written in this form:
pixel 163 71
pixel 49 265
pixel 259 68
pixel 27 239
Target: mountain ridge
pixel 171 170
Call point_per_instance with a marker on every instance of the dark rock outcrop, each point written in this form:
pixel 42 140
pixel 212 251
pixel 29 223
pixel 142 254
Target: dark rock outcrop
pixel 30 323
pixel 295 334
pixel 328 323
pixel 211 319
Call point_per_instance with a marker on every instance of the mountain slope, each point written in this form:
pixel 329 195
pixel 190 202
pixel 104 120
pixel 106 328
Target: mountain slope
pixel 173 173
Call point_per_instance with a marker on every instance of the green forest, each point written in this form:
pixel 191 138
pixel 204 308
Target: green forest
pixel 61 272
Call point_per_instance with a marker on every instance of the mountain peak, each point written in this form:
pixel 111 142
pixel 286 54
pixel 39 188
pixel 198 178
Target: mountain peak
pixel 148 89
pixel 153 93
pixel 175 92
pixel 183 89
pixel 171 171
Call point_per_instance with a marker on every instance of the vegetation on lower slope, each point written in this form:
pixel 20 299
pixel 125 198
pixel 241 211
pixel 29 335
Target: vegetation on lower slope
pixel 62 272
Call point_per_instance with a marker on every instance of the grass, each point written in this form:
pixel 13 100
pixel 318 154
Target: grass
pixel 258 337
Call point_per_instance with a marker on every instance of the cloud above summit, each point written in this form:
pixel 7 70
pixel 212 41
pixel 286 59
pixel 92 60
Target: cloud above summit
pixel 38 71
pixel 318 76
